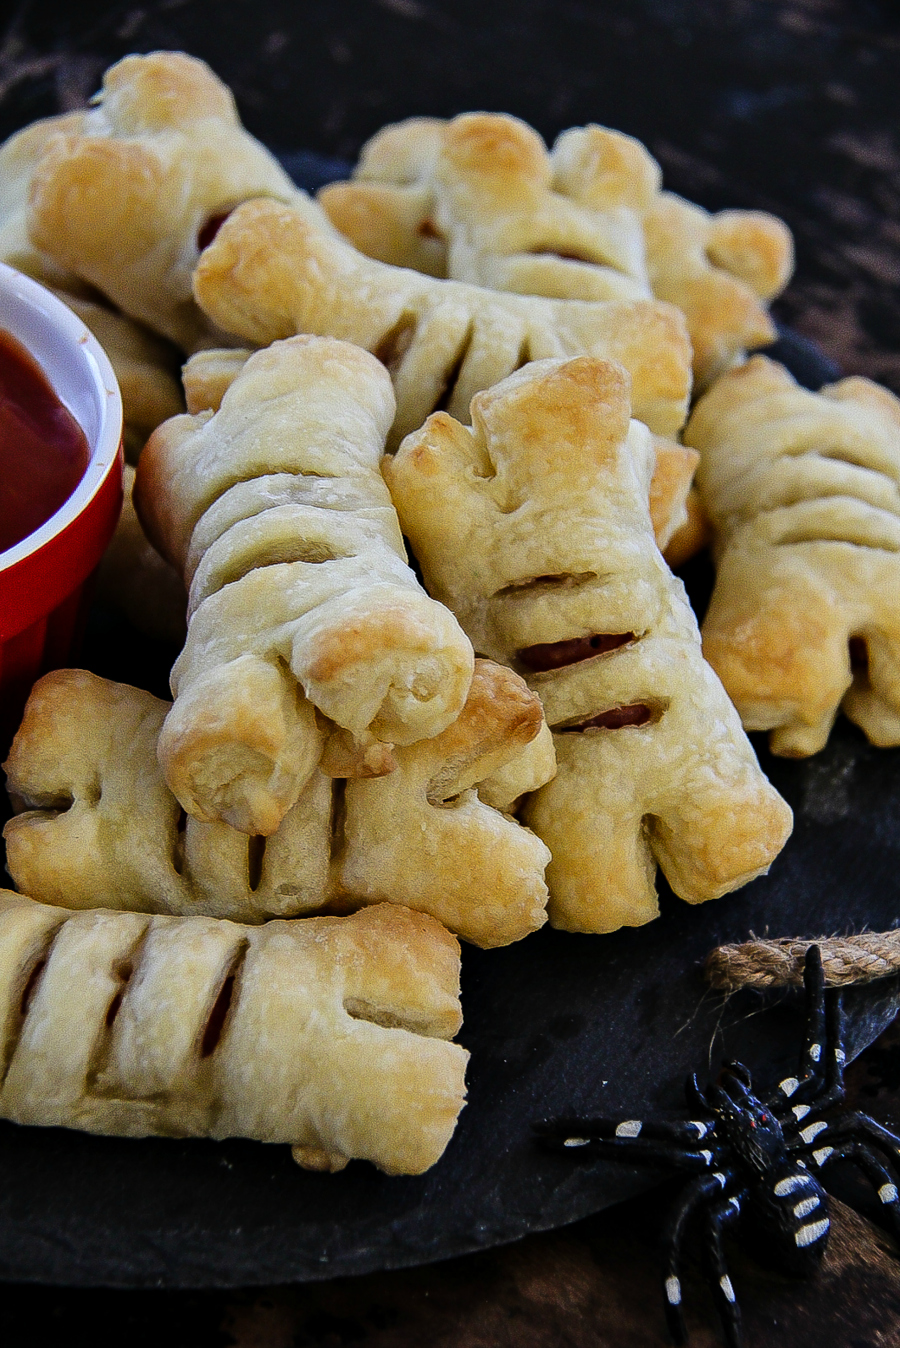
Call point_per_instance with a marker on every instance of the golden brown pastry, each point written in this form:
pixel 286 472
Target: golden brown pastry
pixel 803 490
pixel 720 270
pixel 513 217
pixel 272 272
pixel 145 366
pixel 480 199
pixel 332 1034
pixel 534 527
pixel 97 825
pixel 137 581
pixel 127 197
pixel 674 504
pixel 300 595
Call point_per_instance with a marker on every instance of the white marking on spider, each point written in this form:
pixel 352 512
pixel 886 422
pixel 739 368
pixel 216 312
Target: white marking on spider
pixel 800 1111
pixel 821 1156
pixel 888 1193
pixel 735 1203
pixel 725 1284
pixel 802 1165
pixel 673 1291
pixel 707 1156
pixel 629 1128
pixel 702 1128
pixel 806 1206
pixel 789 1085
pixel 576 1141
pixel 720 1177
pixel 813 1131
pixel 840 1055
pixel 814 1231
pixel 815 1052
pixel 787 1186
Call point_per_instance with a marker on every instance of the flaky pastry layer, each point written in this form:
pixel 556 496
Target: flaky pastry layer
pixel 803 490
pixel 331 1034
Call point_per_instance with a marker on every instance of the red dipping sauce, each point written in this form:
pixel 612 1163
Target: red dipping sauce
pixel 44 453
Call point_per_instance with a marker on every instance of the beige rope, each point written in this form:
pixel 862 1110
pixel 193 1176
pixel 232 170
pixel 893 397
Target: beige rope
pixel 767 964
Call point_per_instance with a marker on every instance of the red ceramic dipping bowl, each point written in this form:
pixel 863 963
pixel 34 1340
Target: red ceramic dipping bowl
pixel 44 578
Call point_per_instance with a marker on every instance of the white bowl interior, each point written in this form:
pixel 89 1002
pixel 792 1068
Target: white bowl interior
pixel 80 374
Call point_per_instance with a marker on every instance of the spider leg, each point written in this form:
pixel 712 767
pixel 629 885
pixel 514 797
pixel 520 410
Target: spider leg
pixel 820 1069
pixel 695 1097
pixel 881 1177
pixel 703 1189
pixel 687 1132
pixel 718 1217
pixel 852 1127
pixel 630 1149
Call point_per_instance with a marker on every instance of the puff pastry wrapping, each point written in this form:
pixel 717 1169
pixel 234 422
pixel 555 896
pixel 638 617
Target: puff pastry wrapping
pixel 332 1034
pixel 126 196
pixel 301 600
pixel 273 271
pixel 533 526
pixel 803 490
pixel 479 198
pixel 96 824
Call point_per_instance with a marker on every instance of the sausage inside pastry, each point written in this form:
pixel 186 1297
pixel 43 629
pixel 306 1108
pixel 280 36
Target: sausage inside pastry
pixel 300 598
pixel 481 199
pixel 804 493
pixel 331 1034
pixel 97 825
pixel 533 526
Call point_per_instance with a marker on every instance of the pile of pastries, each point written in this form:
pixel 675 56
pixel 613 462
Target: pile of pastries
pixel 237 913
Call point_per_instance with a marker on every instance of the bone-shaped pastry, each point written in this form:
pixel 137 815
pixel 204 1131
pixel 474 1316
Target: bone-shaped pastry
pixel 720 270
pixel 513 216
pixel 271 271
pixel 480 199
pixel 674 507
pixel 299 592
pixel 97 825
pixel 330 1034
pixel 145 366
pixel 128 197
pixel 804 493
pixel 533 527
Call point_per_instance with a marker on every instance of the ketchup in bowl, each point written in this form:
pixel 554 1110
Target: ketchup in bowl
pixel 44 453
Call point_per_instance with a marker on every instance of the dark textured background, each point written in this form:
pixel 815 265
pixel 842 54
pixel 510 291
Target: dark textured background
pixel 790 107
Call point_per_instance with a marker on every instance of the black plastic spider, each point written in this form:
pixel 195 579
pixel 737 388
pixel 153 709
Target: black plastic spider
pixel 758 1160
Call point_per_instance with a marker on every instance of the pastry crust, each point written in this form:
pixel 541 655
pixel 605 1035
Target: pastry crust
pixel 331 1035
pixel 144 365
pixel 126 197
pixel 272 271
pixel 674 504
pixel 803 490
pixel 97 824
pixel 300 597
pixel 533 526
pixel 480 199
pixel 720 270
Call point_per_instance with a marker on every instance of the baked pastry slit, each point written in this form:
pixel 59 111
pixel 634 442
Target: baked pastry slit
pixel 550 483
pixel 558 654
pixel 192 1027
pixel 392 833
pixel 803 491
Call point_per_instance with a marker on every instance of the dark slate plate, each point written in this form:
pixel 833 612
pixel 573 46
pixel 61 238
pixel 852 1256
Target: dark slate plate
pixel 556 1024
